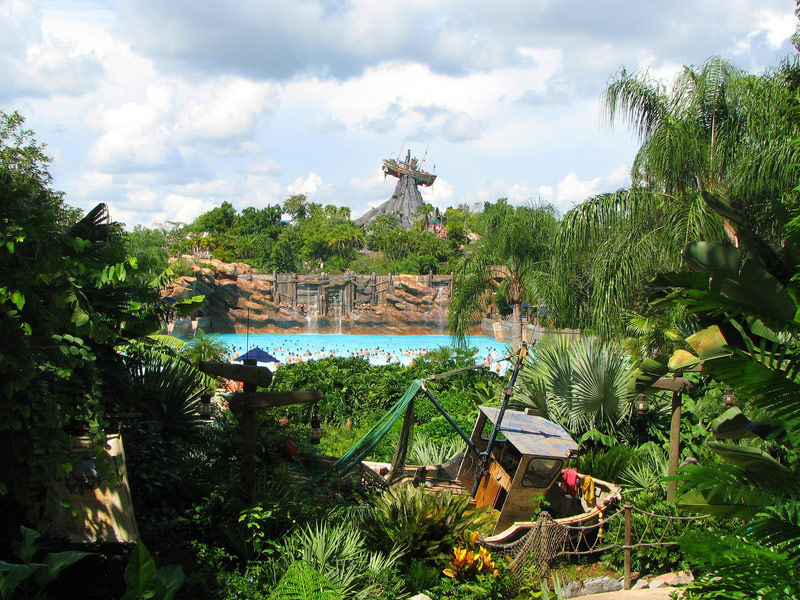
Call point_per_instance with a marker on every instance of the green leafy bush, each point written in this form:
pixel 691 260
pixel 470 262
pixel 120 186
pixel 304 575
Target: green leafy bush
pixel 340 555
pixel 30 575
pixel 145 580
pixel 427 524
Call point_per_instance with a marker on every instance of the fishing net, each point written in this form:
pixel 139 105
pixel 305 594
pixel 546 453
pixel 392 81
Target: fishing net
pixel 532 552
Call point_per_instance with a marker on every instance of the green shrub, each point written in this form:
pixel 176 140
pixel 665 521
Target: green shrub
pixel 421 576
pixel 606 464
pixel 425 451
pixel 428 524
pixel 339 554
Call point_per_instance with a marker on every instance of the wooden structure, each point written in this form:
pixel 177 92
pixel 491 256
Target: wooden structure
pixel 341 294
pixel 676 385
pixel 246 403
pixel 410 167
pixel 526 461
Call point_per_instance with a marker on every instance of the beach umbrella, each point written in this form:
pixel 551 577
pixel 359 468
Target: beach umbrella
pixel 256 354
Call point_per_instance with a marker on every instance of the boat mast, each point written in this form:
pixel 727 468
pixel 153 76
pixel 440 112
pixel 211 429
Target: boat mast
pixel 423 159
pixel 401 152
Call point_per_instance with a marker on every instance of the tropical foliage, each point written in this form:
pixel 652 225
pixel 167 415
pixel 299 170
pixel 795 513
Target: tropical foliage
pixel 428 524
pixel 66 302
pixel 581 383
pixel 715 151
pixel 749 343
pixel 515 246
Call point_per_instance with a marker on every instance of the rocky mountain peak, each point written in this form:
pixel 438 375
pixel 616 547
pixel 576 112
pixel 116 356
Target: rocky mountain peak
pixel 402 205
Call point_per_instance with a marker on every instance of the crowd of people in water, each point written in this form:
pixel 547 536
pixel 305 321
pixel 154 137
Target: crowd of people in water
pixel 376 355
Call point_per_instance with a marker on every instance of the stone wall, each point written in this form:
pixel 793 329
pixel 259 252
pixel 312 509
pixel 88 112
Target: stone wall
pixel 293 303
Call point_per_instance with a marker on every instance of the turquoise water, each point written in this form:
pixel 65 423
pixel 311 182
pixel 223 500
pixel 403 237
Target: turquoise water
pixel 378 349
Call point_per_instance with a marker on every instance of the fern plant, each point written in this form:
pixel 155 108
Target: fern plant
pixel 302 582
pixel 339 554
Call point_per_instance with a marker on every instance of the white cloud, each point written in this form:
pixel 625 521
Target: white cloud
pixel 307 186
pixel 199 102
pixel 266 166
pixel 92 183
pixel 572 191
pixel 777 26
pixel 223 109
pixel 38 62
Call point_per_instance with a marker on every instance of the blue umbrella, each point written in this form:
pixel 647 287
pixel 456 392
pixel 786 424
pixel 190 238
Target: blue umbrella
pixel 258 355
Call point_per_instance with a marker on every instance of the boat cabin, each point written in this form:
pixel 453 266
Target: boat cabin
pixel 529 455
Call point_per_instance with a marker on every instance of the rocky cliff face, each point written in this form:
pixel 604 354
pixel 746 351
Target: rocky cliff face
pixel 235 292
pixel 402 205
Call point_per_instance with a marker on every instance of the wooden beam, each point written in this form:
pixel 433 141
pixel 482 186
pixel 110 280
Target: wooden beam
pixel 673 384
pixel 255 400
pixel 259 376
pixel 674 446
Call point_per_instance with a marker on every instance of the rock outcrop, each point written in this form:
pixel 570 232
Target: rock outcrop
pixel 236 295
pixel 402 205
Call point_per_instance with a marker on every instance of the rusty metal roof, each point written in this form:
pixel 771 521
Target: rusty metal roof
pixel 532 434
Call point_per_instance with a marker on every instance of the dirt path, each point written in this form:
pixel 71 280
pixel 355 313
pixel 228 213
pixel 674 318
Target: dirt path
pixel 647 594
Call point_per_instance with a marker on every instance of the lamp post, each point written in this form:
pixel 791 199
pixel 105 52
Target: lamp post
pixel 676 385
pixel 204 407
pixel 315 432
pixel 729 397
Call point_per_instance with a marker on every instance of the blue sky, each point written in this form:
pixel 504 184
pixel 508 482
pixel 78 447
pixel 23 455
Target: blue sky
pixel 165 109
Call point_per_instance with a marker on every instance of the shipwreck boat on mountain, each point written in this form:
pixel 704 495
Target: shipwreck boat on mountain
pixel 410 167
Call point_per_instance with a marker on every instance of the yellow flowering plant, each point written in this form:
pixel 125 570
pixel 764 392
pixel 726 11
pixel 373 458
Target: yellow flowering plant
pixel 465 563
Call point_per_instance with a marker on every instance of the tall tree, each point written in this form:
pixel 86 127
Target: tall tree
pixel 217 221
pixel 516 245
pixel 715 153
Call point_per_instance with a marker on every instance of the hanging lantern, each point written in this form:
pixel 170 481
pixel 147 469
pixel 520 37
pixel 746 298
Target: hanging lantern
pixel 642 406
pixel 205 408
pixel 315 432
pixel 729 397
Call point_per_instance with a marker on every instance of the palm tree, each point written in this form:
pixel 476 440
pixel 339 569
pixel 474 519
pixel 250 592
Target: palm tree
pixel 581 383
pixel 515 245
pixel 716 150
pixel 204 347
pixel 424 211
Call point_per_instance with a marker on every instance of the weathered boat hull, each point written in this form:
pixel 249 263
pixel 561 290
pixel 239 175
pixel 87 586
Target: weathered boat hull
pixel 441 478
pixel 398 169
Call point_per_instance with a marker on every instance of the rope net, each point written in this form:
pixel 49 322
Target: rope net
pixel 547 539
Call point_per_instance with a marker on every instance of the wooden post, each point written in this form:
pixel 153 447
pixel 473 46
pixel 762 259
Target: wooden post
pixel 628 549
pixel 293 290
pixel 248 420
pixel 674 445
pixel 374 297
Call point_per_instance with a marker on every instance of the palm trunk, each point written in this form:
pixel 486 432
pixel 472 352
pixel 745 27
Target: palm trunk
pixel 516 327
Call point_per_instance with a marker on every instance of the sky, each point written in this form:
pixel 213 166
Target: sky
pixel 165 109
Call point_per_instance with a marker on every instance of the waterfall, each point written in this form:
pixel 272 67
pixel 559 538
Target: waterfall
pixel 312 318
pixel 338 309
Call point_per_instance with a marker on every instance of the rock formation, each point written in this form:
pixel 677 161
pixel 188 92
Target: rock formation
pixel 236 294
pixel 402 205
